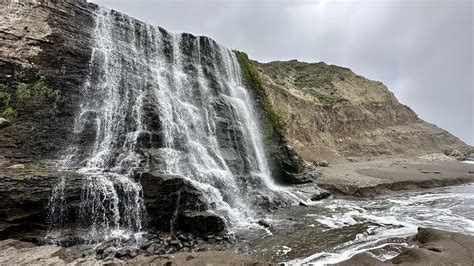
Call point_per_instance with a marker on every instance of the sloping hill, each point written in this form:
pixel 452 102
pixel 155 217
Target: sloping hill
pixel 332 112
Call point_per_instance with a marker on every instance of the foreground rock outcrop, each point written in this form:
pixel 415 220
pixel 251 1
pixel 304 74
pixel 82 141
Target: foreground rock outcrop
pixel 332 112
pixel 25 191
pixel 175 204
pixel 434 247
pixel 13 252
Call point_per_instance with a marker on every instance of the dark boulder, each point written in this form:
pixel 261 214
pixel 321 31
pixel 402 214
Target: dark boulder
pixel 202 222
pixel 121 253
pixel 320 195
pixel 263 223
pixel 174 204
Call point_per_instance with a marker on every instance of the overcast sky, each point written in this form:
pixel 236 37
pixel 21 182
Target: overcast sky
pixel 421 49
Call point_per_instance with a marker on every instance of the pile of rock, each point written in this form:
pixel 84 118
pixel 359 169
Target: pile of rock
pixel 460 155
pixel 457 155
pixel 162 243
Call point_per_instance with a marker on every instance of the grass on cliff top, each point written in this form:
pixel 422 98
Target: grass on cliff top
pixel 327 100
pixel 315 79
pixel 252 79
pixel 305 75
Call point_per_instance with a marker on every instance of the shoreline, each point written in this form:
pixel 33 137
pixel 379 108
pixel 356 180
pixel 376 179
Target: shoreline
pixel 430 247
pixel 370 177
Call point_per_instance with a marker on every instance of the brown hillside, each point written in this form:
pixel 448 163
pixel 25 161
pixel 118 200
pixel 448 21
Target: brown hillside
pixel 332 112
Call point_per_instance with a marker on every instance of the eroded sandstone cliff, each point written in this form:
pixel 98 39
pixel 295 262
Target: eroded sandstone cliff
pixel 332 112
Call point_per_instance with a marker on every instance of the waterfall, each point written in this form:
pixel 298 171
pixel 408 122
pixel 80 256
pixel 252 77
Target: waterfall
pixel 179 95
pixel 106 133
pixel 210 127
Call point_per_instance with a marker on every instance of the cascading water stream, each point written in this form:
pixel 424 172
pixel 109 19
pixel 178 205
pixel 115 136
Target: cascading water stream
pixel 210 128
pixel 106 135
pixel 178 94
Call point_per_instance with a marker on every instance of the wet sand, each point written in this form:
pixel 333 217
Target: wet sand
pixel 433 247
pixel 368 177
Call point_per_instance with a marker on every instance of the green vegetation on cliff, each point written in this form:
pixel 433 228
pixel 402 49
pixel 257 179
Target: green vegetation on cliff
pixel 27 93
pixel 316 79
pixel 252 79
pixel 327 100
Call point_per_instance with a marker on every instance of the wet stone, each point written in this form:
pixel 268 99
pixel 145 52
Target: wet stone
pixel 159 251
pixel 133 253
pixel 182 237
pixel 151 248
pixel 149 243
pixel 320 196
pixel 263 223
pixel 122 252
pixel 176 243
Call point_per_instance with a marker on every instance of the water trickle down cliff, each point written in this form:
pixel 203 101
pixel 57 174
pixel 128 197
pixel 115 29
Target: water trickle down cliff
pixel 178 97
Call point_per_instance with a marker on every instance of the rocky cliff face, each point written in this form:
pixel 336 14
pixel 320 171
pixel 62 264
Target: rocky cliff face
pixel 138 107
pixel 332 112
pixel 39 39
pixel 50 40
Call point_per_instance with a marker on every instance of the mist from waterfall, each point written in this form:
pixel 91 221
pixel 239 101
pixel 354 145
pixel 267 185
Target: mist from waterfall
pixel 177 96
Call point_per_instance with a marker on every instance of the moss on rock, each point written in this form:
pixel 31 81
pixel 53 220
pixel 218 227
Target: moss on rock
pixel 285 164
pixel 252 79
pixel 327 100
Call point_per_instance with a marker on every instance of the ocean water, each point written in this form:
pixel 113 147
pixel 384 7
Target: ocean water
pixel 335 229
pixel 392 218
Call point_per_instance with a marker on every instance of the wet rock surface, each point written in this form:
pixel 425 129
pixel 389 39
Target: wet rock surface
pixel 173 204
pixel 25 193
pixel 162 243
pixel 13 252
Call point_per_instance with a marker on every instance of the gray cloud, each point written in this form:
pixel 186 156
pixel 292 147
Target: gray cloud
pixel 422 50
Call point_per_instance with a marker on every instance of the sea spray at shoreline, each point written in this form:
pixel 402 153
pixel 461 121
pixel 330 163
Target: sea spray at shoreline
pixel 390 219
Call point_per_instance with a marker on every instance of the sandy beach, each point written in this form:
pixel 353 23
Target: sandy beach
pixel 368 177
